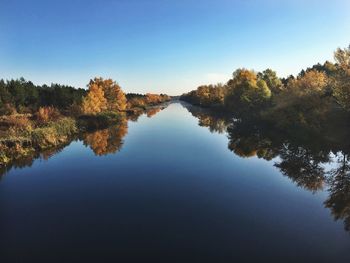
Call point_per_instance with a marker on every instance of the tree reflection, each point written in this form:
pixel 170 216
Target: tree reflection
pixel 301 155
pixel 247 141
pixel 339 191
pixel 108 140
pixel 28 160
pixel 302 167
pixel 152 111
pixel 102 142
pixel 216 122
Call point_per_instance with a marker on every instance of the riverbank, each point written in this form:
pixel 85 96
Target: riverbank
pixel 22 135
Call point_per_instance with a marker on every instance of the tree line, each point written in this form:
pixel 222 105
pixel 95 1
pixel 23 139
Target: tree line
pixel 313 95
pixel 22 96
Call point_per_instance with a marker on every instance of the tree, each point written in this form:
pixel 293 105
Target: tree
pixel 116 100
pixel 303 102
pixel 95 101
pixel 341 85
pixel 312 81
pixel 246 93
pixel 271 79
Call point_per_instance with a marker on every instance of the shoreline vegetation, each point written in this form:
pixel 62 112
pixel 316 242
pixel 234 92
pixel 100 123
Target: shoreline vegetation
pixel 300 123
pixel 313 100
pixel 37 118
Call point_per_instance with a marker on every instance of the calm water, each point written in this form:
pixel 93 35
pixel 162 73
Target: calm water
pixel 164 188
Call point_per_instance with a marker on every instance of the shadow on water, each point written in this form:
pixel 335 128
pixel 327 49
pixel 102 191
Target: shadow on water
pixel 315 161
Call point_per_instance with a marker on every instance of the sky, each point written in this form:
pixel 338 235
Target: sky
pixel 165 46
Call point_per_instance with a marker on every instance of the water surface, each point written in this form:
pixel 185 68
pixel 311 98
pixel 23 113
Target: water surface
pixel 163 188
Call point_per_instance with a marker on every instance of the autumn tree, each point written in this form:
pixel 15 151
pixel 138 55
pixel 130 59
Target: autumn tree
pixel 116 100
pixel 246 92
pixel 303 102
pixel 104 95
pixel 95 101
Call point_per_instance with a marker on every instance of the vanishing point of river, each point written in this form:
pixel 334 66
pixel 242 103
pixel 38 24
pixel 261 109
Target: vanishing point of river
pixel 166 189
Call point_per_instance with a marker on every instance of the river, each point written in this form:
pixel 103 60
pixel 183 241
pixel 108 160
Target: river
pixel 163 188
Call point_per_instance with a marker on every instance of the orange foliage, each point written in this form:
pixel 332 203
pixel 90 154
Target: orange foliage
pixel 16 121
pixel 103 95
pixel 153 99
pixel 95 101
pixel 109 140
pixel 313 80
pixel 116 100
pixel 46 114
pixel 153 111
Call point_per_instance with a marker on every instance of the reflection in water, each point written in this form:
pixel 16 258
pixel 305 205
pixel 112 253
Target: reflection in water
pixel 339 199
pixel 108 140
pixel 152 111
pixel 101 142
pixel 302 156
pixel 28 160
pixel 216 122
pixel 303 167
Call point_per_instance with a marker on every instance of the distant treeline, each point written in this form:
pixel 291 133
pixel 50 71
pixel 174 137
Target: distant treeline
pixel 23 96
pixel 308 99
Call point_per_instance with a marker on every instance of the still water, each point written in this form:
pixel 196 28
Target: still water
pixel 177 185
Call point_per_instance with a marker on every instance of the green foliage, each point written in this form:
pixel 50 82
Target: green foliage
pixel 271 80
pixel 54 133
pixel 341 87
pixel 65 126
pixel 98 121
pixel 305 100
pixel 246 93
pixel 206 96
pixel 27 97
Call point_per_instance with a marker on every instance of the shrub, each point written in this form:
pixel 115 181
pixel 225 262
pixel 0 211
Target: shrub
pixel 7 109
pixel 46 114
pixel 65 127
pixel 54 134
pixel 17 122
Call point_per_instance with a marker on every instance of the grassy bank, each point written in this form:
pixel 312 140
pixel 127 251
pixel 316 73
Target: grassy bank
pixel 21 135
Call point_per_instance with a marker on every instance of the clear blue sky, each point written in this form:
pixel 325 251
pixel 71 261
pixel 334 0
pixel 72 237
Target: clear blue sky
pixel 166 46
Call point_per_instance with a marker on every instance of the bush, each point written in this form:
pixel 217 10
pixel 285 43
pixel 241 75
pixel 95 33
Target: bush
pixel 54 134
pixel 65 127
pixel 17 122
pixel 46 114
pixel 7 109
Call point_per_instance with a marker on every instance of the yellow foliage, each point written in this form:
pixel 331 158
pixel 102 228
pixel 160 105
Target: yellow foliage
pixel 104 95
pixel 46 114
pixel 95 101
pixel 313 80
pixel 109 140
